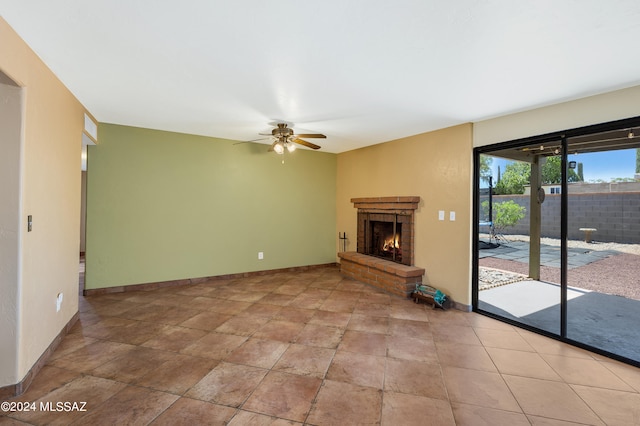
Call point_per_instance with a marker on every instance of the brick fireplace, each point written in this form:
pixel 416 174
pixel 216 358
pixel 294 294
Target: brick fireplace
pixel 385 240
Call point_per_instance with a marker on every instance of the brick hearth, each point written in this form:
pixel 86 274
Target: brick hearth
pixel 384 274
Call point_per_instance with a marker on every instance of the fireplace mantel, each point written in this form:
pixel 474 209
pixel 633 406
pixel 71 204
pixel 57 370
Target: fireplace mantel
pixel 398 204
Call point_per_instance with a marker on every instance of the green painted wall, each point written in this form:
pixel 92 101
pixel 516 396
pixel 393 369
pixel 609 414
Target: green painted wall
pixel 164 206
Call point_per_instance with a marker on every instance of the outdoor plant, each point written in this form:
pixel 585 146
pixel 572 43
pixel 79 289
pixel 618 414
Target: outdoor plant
pixel 507 213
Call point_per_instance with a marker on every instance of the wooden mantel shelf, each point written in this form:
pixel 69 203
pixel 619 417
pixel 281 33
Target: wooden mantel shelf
pixel 386 203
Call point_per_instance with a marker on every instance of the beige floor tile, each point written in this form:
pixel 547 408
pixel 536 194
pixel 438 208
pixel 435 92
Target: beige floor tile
pixel 411 410
pixel 473 415
pixel 338 305
pixel 187 412
pixel 320 335
pixel 229 307
pixel 307 301
pixel 357 369
pixel 505 339
pixel 258 353
pixel 171 315
pixel 371 309
pixel 378 359
pixel 48 379
pixel 289 313
pixel 627 373
pixel 369 324
pixel 545 421
pixel 92 390
pixel 174 338
pixel 71 343
pixel 92 356
pixel 248 296
pixel 550 399
pixel 415 378
pixel 479 388
pixel 520 363
pixel 228 384
pixel 413 349
pixel 612 406
pixel 131 406
pixel 214 345
pixel 178 374
pixel 291 288
pixel 242 325
pixel 364 343
pixel 262 310
pixel 407 311
pixel 346 404
pixel 545 345
pixel 305 361
pixel 409 328
pixel 464 356
pixel 282 331
pixel 331 319
pixel 245 418
pixel 288 396
pixel 132 365
pixel 481 321
pixel 207 321
pixel 277 299
pixel 588 372
pixel 452 333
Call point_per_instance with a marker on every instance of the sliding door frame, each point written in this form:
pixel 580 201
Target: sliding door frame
pixel 562 136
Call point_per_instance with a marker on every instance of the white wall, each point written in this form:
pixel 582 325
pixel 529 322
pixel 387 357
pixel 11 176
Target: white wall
pixel 597 109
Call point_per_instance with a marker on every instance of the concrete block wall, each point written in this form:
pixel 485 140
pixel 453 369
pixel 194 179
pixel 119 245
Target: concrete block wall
pixel 616 216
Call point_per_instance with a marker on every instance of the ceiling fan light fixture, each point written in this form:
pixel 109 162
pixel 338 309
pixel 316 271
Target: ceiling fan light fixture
pixel 279 148
pixel 291 147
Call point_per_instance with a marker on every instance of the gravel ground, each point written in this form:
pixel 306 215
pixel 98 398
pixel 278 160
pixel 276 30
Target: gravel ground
pixel 618 275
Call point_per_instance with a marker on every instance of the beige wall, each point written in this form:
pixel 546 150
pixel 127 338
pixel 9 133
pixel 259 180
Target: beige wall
pixel 597 109
pixel 50 191
pixel 437 166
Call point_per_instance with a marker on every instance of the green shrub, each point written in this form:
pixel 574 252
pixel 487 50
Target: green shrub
pixel 507 213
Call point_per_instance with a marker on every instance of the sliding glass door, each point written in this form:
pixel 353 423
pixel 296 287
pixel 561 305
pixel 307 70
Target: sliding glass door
pixel 558 236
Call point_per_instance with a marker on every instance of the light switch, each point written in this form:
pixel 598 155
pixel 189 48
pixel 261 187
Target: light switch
pixel 452 216
pixel 441 215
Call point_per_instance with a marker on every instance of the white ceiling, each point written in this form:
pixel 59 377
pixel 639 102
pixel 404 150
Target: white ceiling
pixel 360 71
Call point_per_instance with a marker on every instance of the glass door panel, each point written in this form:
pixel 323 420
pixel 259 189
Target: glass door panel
pixel 603 242
pixel 519 255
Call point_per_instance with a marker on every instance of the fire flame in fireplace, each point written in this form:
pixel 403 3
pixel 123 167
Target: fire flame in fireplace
pixel 391 244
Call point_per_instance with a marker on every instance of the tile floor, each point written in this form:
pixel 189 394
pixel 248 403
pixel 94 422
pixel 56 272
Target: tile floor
pixel 314 348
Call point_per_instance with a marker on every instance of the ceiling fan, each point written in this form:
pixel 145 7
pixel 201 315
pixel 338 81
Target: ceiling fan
pixel 285 138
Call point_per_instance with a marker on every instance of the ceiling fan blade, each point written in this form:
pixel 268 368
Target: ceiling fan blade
pixel 312 135
pixel 305 143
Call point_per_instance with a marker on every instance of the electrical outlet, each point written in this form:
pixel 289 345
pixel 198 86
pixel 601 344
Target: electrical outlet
pixel 440 214
pixel 452 216
pixel 260 255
